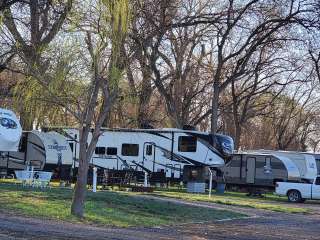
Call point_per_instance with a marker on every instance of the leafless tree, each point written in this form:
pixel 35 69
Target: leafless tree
pixel 237 40
pixel 29 34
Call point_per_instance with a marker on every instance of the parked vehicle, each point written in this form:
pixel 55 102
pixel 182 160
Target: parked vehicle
pixel 299 192
pixel 160 152
pixel 261 169
pixel 305 162
pixel 10 131
pixel 44 151
pixel 258 170
pixel 317 157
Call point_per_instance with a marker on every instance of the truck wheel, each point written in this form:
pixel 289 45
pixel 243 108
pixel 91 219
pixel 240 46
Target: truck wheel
pixel 294 196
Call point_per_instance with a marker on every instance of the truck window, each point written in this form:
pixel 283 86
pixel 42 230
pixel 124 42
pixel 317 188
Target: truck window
pixel 317 181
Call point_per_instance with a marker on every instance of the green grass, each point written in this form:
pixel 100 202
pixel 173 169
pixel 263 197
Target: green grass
pixel 270 202
pixel 104 208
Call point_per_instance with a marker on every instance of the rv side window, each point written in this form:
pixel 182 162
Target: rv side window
pixel 71 146
pixel 268 162
pixel 23 143
pixel 130 149
pixel 187 144
pixel 318 165
pixel 100 150
pixel 149 150
pixel 112 151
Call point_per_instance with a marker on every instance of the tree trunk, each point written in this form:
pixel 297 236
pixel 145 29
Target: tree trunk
pixel 144 100
pixel 236 122
pixel 215 108
pixel 26 121
pixel 77 207
pixel 175 121
pixel 237 135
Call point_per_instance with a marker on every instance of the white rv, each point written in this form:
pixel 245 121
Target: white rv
pixel 10 131
pixel 306 163
pixel 258 170
pixel 45 151
pixel 158 151
pixel 263 168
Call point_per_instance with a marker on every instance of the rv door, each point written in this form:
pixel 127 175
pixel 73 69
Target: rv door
pixel 251 169
pixel 149 156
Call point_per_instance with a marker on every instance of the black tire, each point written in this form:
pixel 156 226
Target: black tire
pixel 294 196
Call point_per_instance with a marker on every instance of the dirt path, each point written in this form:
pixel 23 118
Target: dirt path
pixel 251 212
pixel 261 225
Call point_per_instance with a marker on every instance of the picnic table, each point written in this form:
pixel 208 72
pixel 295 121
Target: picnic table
pixel 34 178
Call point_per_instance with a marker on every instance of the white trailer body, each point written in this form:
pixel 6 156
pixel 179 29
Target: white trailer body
pixel 317 157
pixel 10 131
pixel 155 150
pixel 45 151
pixel 305 163
pixel 254 169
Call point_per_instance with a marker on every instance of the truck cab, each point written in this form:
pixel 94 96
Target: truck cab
pixel 298 191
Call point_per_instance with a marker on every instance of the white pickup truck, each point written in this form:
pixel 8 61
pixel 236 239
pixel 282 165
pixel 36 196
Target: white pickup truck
pixel 299 192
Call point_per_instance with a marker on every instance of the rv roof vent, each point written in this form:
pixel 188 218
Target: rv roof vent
pixel 189 127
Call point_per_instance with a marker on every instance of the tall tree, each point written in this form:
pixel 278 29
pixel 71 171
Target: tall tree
pixel 31 26
pixel 238 40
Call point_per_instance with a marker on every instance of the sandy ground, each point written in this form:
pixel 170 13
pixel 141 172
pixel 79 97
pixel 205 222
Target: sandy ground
pixel 259 225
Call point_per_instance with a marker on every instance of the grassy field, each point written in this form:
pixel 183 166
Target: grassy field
pixel 103 208
pixel 269 202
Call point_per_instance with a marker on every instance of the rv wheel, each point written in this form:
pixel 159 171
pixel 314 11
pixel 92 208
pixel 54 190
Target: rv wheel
pixel 294 196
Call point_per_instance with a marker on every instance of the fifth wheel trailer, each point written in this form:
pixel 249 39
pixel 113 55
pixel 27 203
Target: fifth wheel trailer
pixel 10 134
pixel 44 151
pixel 10 131
pixel 163 153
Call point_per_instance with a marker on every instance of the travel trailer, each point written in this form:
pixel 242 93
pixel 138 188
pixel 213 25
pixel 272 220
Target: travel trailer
pixel 159 152
pixel 44 151
pixel 258 170
pixel 10 131
pixel 263 168
pixel 306 163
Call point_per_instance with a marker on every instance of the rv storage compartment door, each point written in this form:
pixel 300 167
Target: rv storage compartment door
pixel 177 170
pixel 169 171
